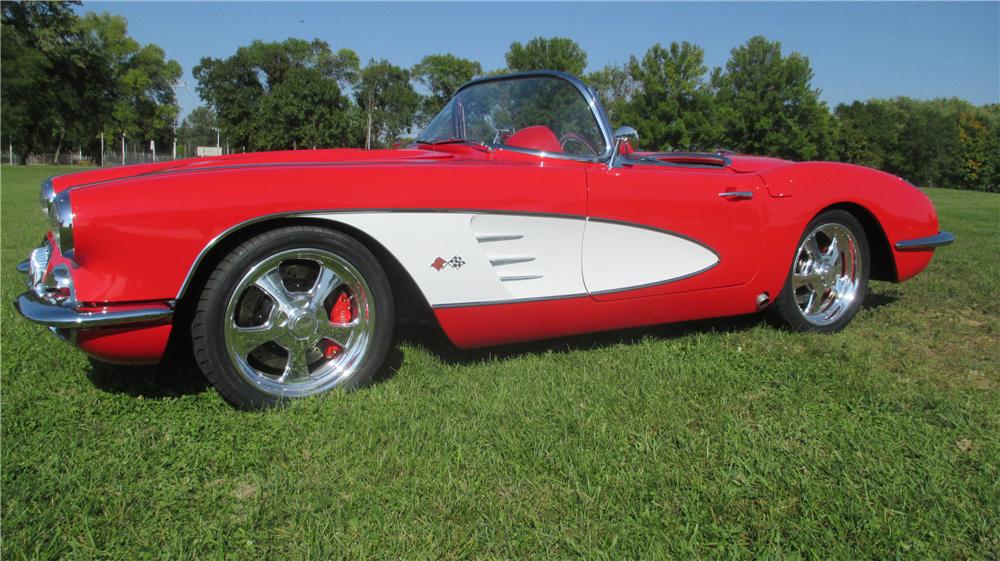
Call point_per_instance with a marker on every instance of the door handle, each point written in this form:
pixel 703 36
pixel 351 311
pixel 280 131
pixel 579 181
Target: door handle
pixel 737 195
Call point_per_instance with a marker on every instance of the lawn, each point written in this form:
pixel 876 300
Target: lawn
pixel 725 439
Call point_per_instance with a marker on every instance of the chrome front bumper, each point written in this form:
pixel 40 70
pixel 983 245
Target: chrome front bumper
pixel 930 242
pixel 42 310
pixel 51 299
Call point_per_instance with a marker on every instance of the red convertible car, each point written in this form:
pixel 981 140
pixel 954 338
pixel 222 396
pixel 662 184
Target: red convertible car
pixel 516 215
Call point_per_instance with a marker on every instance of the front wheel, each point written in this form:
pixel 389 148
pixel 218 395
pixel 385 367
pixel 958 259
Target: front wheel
pixel 828 280
pixel 290 313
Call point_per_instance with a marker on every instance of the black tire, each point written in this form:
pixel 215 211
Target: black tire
pixel 787 310
pixel 208 328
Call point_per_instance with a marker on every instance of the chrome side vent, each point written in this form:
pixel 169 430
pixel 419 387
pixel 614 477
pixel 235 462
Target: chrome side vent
pixel 505 264
pixel 510 260
pixel 531 276
pixel 485 238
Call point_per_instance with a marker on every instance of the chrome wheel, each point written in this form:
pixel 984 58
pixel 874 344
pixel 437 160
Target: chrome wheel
pixel 299 322
pixel 827 274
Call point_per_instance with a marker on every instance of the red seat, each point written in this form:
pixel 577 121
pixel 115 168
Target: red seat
pixel 537 137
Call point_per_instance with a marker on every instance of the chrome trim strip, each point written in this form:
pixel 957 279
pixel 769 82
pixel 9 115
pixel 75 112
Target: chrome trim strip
pixel 35 308
pixel 61 223
pixel 520 277
pixel 175 171
pixel 938 240
pixel 483 238
pixel 497 261
pixel 656 283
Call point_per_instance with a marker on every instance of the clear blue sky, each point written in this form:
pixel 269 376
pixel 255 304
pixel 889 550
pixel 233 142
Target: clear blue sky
pixel 857 50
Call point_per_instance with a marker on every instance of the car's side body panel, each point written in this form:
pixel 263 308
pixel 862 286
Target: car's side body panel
pixel 618 258
pixel 170 219
pixel 464 258
pixel 505 241
pixel 584 227
pixel 686 201
pixel 478 326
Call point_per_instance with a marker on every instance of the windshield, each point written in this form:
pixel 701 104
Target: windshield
pixel 537 113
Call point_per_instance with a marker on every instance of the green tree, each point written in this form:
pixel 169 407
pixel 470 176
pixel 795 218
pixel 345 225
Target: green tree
pixel 672 106
pixel 247 92
pixel 940 142
pixel 975 160
pixel 36 42
pixel 197 129
pixel 389 101
pixel 870 133
pixel 442 75
pixel 615 88
pixel 767 105
pixel 306 110
pixel 146 107
pixel 991 114
pixel 68 78
pixel 556 53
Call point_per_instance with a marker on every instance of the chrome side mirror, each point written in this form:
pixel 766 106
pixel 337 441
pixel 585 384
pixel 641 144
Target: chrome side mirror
pixel 623 138
pixel 626 132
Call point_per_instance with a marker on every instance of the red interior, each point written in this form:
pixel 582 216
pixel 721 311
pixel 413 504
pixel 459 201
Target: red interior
pixel 537 137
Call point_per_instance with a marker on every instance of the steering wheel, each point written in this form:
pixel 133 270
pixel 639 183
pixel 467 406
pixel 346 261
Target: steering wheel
pixel 571 137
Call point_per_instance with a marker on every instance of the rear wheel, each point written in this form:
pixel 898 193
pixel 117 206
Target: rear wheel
pixel 828 280
pixel 291 313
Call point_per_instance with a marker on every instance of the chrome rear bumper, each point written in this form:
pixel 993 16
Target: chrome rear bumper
pixel 930 242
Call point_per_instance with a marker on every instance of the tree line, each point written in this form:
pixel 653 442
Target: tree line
pixel 67 76
pixel 67 79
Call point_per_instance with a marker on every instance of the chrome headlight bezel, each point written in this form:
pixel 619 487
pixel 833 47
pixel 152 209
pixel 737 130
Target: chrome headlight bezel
pixel 61 222
pixel 47 196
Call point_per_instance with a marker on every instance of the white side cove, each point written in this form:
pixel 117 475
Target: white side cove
pixel 464 258
pixel 618 256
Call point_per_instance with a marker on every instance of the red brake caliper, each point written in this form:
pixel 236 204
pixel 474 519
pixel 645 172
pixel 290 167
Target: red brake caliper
pixel 341 313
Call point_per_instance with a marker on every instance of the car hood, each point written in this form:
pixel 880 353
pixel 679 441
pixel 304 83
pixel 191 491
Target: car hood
pixel 291 158
pixel 346 156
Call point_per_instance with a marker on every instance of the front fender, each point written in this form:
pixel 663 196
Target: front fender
pixel 139 239
pixel 800 192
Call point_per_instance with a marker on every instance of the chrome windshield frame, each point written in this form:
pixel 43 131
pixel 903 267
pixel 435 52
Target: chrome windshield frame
pixel 588 95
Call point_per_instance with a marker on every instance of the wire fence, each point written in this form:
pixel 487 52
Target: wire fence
pixel 84 159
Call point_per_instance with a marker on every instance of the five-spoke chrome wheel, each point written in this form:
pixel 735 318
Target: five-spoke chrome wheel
pixel 828 279
pixel 299 321
pixel 826 273
pixel 292 312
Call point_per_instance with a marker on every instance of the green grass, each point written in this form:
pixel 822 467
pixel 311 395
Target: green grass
pixel 723 439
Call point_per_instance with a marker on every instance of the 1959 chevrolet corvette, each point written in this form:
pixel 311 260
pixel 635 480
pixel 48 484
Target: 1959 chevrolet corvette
pixel 516 215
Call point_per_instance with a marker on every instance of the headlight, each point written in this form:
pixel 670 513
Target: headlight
pixel 47 195
pixel 61 223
